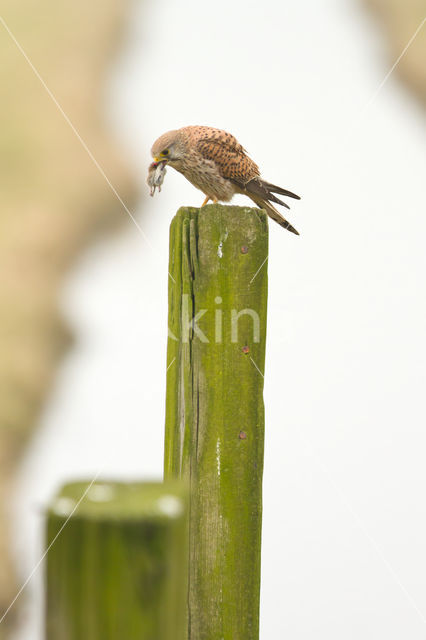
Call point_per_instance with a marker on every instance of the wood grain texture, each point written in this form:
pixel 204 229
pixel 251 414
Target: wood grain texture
pixel 215 411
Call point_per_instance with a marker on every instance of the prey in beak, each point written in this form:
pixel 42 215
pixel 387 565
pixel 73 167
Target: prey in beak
pixel 156 174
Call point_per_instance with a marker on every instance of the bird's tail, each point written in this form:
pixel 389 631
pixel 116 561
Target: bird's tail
pixel 273 213
pixel 263 193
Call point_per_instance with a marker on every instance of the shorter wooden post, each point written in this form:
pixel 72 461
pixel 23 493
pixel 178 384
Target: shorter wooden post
pixel 118 567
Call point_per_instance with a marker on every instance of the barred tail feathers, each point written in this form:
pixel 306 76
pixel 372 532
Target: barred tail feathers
pixel 273 213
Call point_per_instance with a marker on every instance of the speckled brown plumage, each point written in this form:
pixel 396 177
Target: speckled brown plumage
pixel 217 164
pixel 221 147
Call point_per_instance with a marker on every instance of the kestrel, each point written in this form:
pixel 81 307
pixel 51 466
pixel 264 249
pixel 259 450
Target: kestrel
pixel 215 162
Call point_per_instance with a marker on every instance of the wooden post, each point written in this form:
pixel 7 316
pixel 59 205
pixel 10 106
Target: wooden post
pixel 118 568
pixel 214 409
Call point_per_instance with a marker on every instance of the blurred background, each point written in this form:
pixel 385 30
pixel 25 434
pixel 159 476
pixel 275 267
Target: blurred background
pixel 305 87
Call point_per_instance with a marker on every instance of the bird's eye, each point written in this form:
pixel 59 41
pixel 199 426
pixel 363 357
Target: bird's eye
pixel 165 152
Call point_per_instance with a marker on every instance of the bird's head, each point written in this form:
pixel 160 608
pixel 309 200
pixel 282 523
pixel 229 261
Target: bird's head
pixel 168 148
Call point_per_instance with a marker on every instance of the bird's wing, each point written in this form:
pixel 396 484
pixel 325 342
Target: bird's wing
pixel 229 156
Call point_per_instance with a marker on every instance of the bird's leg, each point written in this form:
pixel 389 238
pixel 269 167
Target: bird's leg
pixel 207 198
pixel 215 200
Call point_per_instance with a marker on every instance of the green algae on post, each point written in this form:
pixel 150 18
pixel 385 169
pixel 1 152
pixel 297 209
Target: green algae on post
pixel 214 409
pixel 118 568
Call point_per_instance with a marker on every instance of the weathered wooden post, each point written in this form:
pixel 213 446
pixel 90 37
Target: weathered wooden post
pixel 214 409
pixel 118 568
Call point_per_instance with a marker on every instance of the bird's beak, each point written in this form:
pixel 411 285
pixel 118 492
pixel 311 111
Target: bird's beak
pixel 159 159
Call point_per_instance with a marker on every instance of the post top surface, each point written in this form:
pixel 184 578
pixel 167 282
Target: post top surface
pixel 109 500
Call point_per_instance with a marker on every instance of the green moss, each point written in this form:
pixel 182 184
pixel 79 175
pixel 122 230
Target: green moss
pixel 118 567
pixel 215 412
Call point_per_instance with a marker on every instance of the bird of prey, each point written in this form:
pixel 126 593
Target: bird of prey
pixel 215 162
